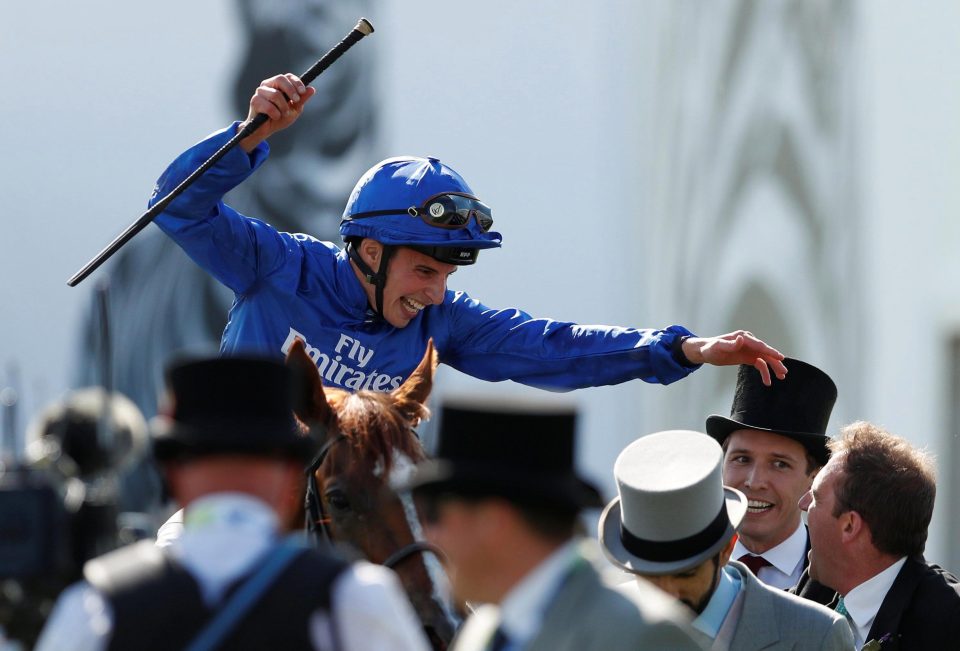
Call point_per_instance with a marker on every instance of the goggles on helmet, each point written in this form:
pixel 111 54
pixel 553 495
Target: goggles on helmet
pixel 446 210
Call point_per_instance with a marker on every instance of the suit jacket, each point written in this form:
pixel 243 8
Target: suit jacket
pixel 776 620
pixel 921 610
pixel 586 615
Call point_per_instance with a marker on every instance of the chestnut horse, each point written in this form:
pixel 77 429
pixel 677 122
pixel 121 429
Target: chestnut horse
pixel 367 445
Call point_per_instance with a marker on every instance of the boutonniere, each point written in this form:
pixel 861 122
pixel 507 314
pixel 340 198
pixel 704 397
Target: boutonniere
pixel 886 643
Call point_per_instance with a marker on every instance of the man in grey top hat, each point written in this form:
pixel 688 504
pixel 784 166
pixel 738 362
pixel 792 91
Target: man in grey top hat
pixel 674 524
pixel 502 497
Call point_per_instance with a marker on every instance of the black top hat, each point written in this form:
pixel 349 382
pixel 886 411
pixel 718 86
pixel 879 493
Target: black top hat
pixel 797 407
pixel 230 405
pixel 524 455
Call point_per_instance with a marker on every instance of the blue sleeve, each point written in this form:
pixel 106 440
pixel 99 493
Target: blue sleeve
pixel 236 250
pixel 499 345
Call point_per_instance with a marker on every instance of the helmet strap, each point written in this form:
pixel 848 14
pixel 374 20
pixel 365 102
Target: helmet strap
pixel 379 278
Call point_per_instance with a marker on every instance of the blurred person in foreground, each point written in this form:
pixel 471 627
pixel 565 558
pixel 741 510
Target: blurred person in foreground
pixel 234 458
pixel 868 513
pixel 503 498
pixel 674 524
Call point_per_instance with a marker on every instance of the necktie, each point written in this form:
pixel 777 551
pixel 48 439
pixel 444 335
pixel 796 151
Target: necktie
pixel 754 562
pixel 842 609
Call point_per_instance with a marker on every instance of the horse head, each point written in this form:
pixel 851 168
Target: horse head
pixel 368 445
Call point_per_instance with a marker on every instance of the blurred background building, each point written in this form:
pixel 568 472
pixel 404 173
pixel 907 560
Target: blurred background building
pixel 789 167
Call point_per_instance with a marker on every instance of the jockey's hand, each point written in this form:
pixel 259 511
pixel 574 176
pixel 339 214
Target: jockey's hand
pixel 282 98
pixel 735 348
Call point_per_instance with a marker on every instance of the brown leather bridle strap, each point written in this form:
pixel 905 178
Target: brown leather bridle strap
pixel 316 517
pixel 416 547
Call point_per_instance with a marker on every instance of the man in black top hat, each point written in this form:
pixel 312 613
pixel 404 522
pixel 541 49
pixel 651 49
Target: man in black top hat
pixel 233 458
pixel 774 443
pixel 503 498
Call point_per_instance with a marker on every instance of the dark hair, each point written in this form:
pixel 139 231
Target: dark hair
pixel 812 464
pixel 549 522
pixel 890 483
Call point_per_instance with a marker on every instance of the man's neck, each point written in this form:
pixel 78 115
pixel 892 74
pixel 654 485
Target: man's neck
pixel 368 288
pixel 863 567
pixel 763 544
pixel 517 562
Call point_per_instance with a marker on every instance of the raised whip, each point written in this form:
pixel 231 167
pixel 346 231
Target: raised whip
pixel 363 28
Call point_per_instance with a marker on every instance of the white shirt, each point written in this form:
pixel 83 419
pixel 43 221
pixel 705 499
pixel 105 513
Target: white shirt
pixel 223 535
pixel 523 607
pixel 786 560
pixel 863 602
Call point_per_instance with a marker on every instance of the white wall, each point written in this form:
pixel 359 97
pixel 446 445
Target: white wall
pixel 98 97
pixel 911 205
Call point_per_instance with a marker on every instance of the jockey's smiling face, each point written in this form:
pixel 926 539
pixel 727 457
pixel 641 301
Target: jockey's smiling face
pixel 414 281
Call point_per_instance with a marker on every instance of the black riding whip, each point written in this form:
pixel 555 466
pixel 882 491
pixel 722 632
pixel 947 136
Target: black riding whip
pixel 363 28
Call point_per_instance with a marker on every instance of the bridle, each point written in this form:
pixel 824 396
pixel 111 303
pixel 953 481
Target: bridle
pixel 317 525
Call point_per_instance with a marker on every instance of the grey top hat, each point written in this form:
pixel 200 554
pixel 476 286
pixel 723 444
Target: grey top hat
pixel 672 511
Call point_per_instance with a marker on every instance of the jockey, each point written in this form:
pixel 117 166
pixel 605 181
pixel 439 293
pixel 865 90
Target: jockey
pixel 366 312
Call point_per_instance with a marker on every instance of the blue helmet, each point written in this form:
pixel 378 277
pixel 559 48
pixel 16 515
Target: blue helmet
pixel 420 203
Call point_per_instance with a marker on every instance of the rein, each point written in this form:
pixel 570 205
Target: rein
pixel 316 516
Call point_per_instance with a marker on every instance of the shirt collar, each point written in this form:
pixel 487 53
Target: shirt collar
pixel 711 619
pixel 223 533
pixel 522 609
pixel 863 602
pixel 785 556
pixel 233 511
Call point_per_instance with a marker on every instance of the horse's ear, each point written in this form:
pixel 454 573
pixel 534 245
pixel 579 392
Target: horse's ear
pixel 417 387
pixel 311 405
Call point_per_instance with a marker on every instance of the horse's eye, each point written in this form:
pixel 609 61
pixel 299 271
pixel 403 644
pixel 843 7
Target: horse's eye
pixel 338 500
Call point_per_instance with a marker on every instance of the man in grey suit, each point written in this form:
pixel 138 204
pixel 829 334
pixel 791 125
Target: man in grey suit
pixel 674 524
pixel 502 500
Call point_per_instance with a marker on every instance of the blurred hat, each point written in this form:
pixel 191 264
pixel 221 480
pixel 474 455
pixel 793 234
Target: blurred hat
pixel 672 511
pixel 797 407
pixel 230 405
pixel 522 454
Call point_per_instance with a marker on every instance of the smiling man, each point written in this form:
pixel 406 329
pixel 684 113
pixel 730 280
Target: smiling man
pixel 774 443
pixel 365 312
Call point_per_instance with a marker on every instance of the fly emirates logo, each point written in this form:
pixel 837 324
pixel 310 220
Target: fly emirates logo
pixel 336 371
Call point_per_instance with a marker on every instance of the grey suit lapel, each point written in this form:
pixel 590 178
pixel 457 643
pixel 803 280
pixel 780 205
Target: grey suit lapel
pixel 757 628
pixel 565 607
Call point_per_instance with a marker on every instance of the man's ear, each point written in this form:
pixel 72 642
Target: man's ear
pixel 370 252
pixel 852 526
pixel 727 551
